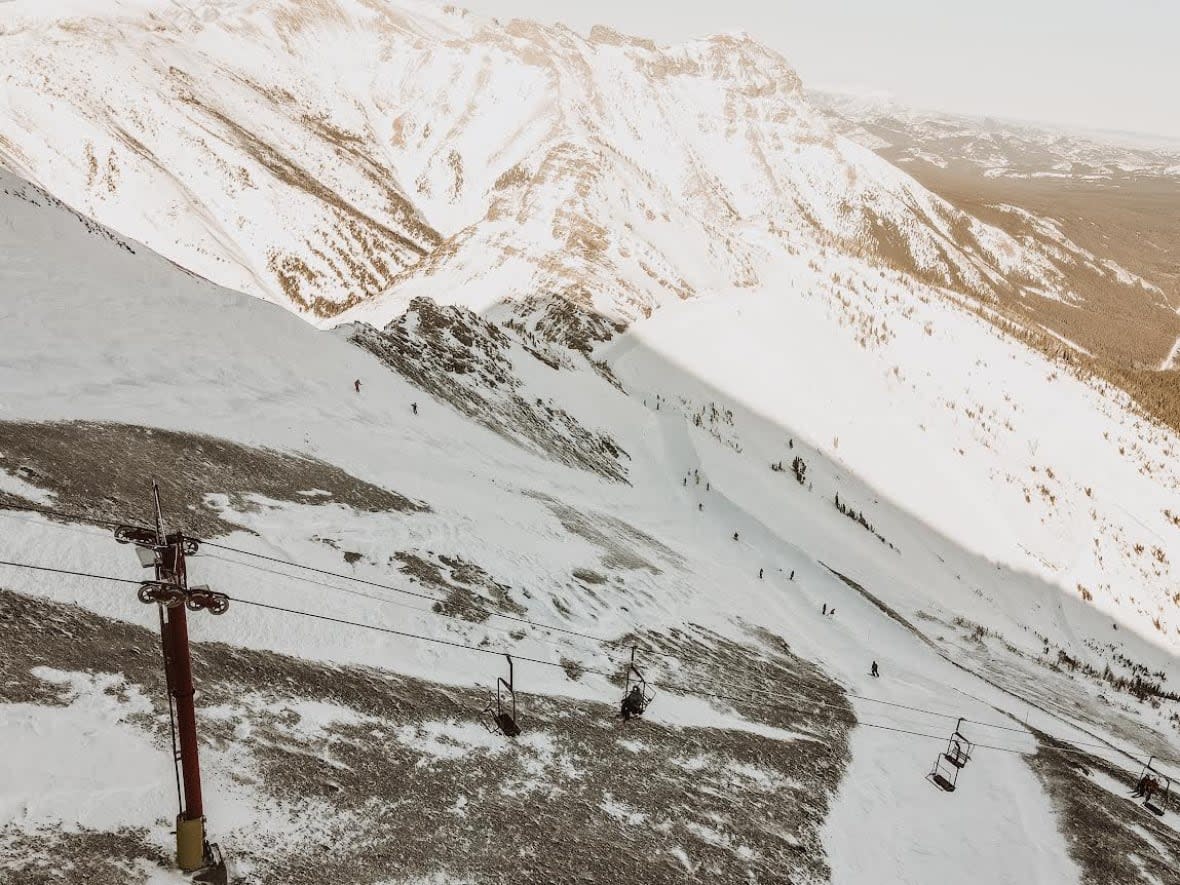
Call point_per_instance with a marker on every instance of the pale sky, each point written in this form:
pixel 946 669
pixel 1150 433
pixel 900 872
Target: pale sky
pixel 1098 64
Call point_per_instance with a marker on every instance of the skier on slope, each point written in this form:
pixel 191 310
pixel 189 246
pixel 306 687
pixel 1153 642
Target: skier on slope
pixel 357 384
pixel 875 673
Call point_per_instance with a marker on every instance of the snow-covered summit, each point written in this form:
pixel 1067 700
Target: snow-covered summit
pixel 350 154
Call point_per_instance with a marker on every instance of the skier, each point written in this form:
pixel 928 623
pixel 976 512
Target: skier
pixel 832 613
pixel 792 574
pixel 357 385
pixel 735 536
pixel 700 506
pixel 759 574
pixel 707 486
pixel 632 704
pixel 825 611
pixel 874 671
pixel 414 408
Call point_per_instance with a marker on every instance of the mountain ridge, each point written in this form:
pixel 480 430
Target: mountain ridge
pixel 488 160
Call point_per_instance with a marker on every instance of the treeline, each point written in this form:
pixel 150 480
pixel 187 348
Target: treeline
pixel 859 518
pixel 1138 685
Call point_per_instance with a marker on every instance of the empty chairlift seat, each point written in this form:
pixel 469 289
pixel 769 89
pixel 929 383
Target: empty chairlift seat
pixel 502 708
pixel 945 772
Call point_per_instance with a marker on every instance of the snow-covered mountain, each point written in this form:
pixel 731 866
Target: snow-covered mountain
pixel 323 155
pixel 628 347
pixel 998 148
pixel 985 555
pixel 1104 208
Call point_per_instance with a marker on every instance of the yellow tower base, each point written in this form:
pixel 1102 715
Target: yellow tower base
pixel 190 844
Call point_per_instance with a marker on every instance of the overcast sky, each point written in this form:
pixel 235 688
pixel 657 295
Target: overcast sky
pixel 1101 64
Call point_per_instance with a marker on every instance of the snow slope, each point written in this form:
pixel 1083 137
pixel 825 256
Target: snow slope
pixel 939 454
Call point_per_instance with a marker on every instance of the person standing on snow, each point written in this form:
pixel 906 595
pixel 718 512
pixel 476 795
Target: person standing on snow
pixel 414 408
pixel 357 385
pixel 874 671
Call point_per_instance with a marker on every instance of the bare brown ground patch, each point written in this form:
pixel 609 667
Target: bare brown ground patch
pixel 50 856
pixel 623 545
pixel 471 591
pixel 579 798
pixel 1104 831
pixel 101 470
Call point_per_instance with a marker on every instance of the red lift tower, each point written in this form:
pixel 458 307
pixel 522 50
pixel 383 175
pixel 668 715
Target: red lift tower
pixel 170 591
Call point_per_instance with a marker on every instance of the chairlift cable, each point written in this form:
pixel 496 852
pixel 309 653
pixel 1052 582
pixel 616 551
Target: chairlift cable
pixel 427 597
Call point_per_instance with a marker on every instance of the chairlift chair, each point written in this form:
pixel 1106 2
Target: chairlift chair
pixel 635 703
pixel 504 720
pixel 1161 794
pixel 958 748
pixel 947 765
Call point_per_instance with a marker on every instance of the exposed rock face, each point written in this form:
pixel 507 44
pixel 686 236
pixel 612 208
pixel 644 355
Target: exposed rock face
pixel 473 364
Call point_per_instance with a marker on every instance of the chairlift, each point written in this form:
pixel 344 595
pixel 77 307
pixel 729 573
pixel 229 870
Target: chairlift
pixel 958 748
pixel 149 539
pixel 1159 793
pixel 504 720
pixel 947 765
pixel 636 695
pixel 202 598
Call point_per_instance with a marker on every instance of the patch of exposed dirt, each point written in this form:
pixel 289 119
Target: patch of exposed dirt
pixel 471 592
pixel 50 856
pixel 1113 838
pixel 104 471
pixel 462 359
pixel 623 546
pixel 580 797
